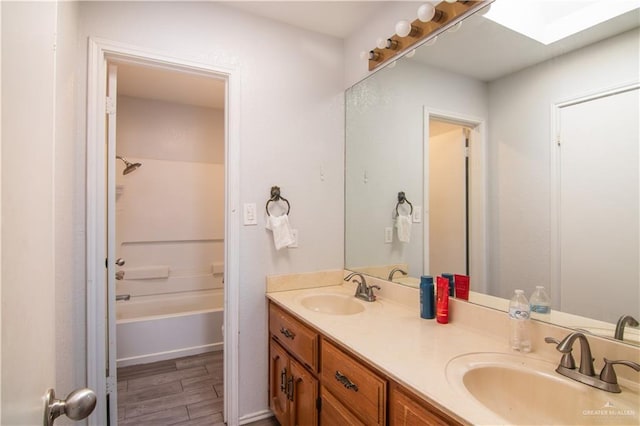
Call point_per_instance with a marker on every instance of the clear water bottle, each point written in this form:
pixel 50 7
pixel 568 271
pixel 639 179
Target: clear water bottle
pixel 519 312
pixel 540 303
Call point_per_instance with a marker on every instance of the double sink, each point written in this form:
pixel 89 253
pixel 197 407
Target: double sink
pixel 516 388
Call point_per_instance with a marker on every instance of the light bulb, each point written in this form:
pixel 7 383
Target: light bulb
pixel 381 43
pixel 451 1
pixel 426 12
pixel 403 28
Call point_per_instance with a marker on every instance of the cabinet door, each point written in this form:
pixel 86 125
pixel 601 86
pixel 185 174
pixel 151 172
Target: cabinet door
pixel 278 375
pixel 407 411
pixel 303 395
pixel 332 412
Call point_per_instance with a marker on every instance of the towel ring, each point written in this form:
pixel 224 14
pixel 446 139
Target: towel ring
pixel 275 196
pixel 401 200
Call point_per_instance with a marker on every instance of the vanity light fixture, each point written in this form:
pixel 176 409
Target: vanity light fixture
pixel 431 21
pixel 405 29
pixel 427 12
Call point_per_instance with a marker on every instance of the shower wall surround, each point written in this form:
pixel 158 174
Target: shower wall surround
pixel 170 212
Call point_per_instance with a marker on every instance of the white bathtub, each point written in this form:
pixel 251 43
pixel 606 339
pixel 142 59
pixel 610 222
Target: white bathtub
pixel 155 328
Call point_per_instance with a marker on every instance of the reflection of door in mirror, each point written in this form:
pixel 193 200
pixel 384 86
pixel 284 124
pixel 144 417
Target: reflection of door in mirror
pixel 597 190
pixel 448 198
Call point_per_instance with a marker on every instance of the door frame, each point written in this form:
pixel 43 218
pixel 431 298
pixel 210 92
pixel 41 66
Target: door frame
pixel 477 191
pixel 101 50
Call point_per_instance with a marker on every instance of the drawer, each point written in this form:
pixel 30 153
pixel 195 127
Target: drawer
pixel 299 339
pixel 407 409
pixel 353 384
pixel 332 412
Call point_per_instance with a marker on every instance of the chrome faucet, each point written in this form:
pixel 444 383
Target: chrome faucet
pixel 393 271
pixel 607 380
pixel 363 291
pixel 622 322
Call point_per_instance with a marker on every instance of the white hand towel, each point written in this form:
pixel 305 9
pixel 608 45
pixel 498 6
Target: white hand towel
pixel 282 235
pixel 403 223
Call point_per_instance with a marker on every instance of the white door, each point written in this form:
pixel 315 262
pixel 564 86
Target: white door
pixel 28 268
pixel 447 203
pixel 598 206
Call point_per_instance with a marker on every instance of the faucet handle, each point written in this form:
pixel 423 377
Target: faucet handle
pixel 608 374
pixel 567 360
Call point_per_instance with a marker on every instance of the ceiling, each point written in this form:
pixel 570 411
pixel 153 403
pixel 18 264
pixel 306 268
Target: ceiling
pixel 477 49
pixel 335 18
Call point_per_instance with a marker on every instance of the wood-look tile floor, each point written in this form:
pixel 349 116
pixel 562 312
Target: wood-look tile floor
pixel 184 391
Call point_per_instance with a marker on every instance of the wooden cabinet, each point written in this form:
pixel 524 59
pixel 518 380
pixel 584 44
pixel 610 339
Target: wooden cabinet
pixel 293 390
pixel 406 409
pixel 314 381
pixel 353 384
pixel 293 353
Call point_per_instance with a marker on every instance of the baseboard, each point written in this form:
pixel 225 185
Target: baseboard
pixel 162 356
pixel 254 417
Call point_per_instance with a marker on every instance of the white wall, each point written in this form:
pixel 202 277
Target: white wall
pixel 520 144
pixel 170 212
pixel 291 135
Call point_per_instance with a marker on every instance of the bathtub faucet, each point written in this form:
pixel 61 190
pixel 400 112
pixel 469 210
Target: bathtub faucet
pixel 123 297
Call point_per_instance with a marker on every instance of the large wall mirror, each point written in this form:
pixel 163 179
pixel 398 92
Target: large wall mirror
pixel 517 159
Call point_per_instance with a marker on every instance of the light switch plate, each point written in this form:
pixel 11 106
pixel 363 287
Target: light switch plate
pixel 249 214
pixel 417 214
pixel 388 234
pixel 294 234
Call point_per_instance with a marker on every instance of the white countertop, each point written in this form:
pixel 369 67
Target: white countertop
pixel 411 350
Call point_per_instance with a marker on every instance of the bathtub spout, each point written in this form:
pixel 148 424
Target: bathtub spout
pixel 123 297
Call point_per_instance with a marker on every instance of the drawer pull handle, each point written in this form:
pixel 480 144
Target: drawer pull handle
pixel 283 381
pixel 346 382
pixel 290 389
pixel 286 333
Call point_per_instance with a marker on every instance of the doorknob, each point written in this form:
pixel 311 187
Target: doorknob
pixel 120 261
pixel 77 406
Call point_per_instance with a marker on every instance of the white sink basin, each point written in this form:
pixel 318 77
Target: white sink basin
pixel 335 304
pixel 523 390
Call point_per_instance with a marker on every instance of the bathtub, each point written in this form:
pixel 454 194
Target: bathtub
pixel 160 327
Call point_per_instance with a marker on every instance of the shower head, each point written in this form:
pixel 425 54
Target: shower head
pixel 129 167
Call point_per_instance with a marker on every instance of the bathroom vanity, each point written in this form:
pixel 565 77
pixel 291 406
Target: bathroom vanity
pixel 335 359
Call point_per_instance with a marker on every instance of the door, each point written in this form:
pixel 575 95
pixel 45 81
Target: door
pixel 278 375
pixel 28 211
pixel 448 202
pixel 303 395
pixel 598 205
